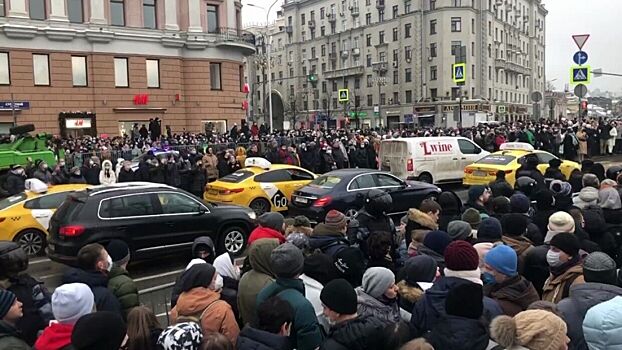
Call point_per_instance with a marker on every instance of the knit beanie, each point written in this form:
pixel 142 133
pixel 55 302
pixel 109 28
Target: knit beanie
pixel 72 301
pixel 437 241
pixel 461 256
pixel 514 224
pixel 519 203
pixel 465 300
pixel 185 335
pixel 350 264
pixel 339 296
pixel 102 330
pixel 335 219
pixel 419 268
pixel 599 267
pixel 301 221
pixel 566 242
pixel 287 260
pixel 533 329
pixel 459 229
pixel 376 281
pixel 561 222
pixel 472 216
pixel 482 249
pixel 503 259
pixel 272 220
pixel 475 192
pixel 489 229
pixel 320 267
pixel 7 298
pixel 561 187
pixel 118 251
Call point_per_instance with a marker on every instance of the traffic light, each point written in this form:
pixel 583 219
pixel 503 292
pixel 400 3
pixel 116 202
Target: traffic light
pixel 584 105
pixel 312 78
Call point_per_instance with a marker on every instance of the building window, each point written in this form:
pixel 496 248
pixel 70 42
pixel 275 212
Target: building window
pixel 473 25
pixel 313 52
pixel 357 101
pixel 457 3
pixel 395 11
pixel 396 55
pixel 396 77
pixel 322 30
pixel 212 19
pixel 380 15
pixel 456 24
pixel 383 99
pixel 455 47
pixel 433 73
pixel 395 34
pixel 368 18
pixel 433 50
pixel 214 76
pixel 432 4
pixel 5 72
pixel 382 56
pixel 368 60
pixel 323 50
pixel 121 74
pixel 357 83
pixel 335 87
pixel 2 9
pixel 302 19
pixel 370 83
pixel 322 13
pixel 117 12
pixel 407 28
pixel 433 27
pixel 149 14
pixel 78 70
pixel 323 87
pixel 408 75
pixel 381 37
pixel 434 93
pixel 153 73
pixel 368 39
pixel 396 98
pixel 36 8
pixel 409 96
pixel 41 69
pixel 407 53
pixel 75 11
pixel 370 100
pixel 473 48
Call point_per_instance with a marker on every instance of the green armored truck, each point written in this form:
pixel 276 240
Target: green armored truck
pixel 22 148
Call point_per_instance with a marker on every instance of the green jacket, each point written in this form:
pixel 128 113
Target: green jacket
pixel 124 288
pixel 306 331
pixel 9 338
pixel 253 281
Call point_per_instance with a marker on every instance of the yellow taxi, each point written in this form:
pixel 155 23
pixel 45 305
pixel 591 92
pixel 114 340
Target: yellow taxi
pixel 509 158
pixel 24 217
pixel 260 185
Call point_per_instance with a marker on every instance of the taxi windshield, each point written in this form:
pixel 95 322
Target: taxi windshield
pixel 326 181
pixel 7 202
pixel 496 159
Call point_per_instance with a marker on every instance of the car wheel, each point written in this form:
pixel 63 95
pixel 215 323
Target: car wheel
pixel 425 177
pixel 32 241
pixel 233 240
pixel 349 213
pixel 260 206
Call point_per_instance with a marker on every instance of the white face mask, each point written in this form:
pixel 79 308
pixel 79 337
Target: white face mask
pixel 217 284
pixel 552 258
pixel 109 261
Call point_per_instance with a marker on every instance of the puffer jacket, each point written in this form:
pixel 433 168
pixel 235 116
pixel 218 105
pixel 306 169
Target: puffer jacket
pixel 370 306
pixel 256 279
pixel 513 295
pixel 98 282
pixel 555 286
pixel 255 339
pixel 459 333
pixel 361 333
pixel 124 288
pixel 582 298
pixel 328 240
pixel 210 161
pixel 419 224
pixel 588 196
pixel 602 326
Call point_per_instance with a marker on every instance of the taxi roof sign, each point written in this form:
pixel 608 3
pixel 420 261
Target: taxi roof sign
pixel 516 146
pixel 458 73
pixel 580 74
pixel 257 162
pixel 344 95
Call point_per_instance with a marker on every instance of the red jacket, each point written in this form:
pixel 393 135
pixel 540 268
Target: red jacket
pixel 265 232
pixel 54 337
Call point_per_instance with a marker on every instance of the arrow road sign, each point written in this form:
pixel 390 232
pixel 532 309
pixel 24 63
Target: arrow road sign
pixel 580 40
pixel 580 75
pixel 580 57
pixel 343 95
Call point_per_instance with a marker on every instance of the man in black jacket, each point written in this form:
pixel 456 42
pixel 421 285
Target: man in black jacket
pixel 16 180
pixel 274 318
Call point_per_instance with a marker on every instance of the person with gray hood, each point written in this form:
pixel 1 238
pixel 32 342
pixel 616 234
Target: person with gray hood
pixel 600 274
pixel 378 295
pixel 588 196
pixel 203 248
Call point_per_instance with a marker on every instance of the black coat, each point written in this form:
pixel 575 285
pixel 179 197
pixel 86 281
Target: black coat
pixel 14 184
pixel 501 188
pixel 36 306
pixel 126 175
pixel 198 179
pixel 98 282
pixel 361 333
pixel 255 339
pixel 91 174
pixel 459 333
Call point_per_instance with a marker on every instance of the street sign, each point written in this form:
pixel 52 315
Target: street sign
pixel 536 96
pixel 344 95
pixel 580 40
pixel 580 90
pixel 459 73
pixel 580 57
pixel 598 72
pixel 19 105
pixel 501 109
pixel 580 75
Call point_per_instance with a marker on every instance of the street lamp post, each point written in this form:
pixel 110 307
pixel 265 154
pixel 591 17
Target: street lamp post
pixel 380 68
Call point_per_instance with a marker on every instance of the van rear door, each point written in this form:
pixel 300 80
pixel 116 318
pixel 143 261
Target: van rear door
pixel 394 157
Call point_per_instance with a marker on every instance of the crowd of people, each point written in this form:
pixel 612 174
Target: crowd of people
pixel 531 266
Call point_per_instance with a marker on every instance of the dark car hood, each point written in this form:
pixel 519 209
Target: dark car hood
pixel 422 185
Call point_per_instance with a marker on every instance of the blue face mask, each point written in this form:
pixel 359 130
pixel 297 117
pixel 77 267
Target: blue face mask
pixel 488 278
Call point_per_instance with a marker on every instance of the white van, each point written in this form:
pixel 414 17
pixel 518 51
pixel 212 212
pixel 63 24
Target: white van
pixel 429 159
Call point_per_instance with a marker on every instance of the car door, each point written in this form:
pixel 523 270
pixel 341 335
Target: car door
pixel 42 207
pixel 298 179
pixel 543 161
pixel 357 190
pixel 396 188
pixel 184 217
pixel 469 154
pixel 273 184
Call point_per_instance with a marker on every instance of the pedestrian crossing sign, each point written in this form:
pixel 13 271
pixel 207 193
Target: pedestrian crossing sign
pixel 580 74
pixel 459 73
pixel 344 95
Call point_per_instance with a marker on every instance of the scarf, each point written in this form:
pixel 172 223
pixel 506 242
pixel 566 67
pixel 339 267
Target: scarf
pixel 474 276
pixel 559 270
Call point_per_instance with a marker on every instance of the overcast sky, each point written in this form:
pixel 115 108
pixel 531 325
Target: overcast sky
pixel 600 18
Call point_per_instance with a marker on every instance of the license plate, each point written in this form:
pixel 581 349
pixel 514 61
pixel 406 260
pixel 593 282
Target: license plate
pixel 214 192
pixel 479 173
pixel 301 200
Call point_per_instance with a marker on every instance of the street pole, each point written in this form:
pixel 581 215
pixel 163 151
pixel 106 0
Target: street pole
pixel 270 64
pixel 460 108
pixel 13 111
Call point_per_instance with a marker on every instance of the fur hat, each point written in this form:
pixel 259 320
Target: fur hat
pixel 533 329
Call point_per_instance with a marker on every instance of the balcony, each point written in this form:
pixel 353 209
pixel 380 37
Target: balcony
pixel 332 16
pixel 345 54
pixel 354 11
pixel 289 29
pixel 356 51
pixel 501 63
pixel 235 37
pixel 380 4
pixel 345 72
pixel 311 24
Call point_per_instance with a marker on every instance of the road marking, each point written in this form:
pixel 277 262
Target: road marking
pixel 164 274
pixel 44 277
pixel 38 261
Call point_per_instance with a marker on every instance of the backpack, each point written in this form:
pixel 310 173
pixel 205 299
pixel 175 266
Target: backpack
pixel 196 318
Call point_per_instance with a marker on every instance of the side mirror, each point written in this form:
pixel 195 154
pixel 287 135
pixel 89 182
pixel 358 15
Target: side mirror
pixel 201 210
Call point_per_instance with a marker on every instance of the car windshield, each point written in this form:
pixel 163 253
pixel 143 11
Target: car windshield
pixel 326 181
pixel 496 159
pixel 7 202
pixel 237 176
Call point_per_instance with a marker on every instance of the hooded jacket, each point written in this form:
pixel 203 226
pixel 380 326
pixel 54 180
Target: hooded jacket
pixel 361 333
pixel 256 279
pixel 206 241
pixel 255 339
pixel 588 196
pixel 9 338
pixel 370 306
pixel 521 246
pixel 459 333
pixel 328 240
pixel 123 288
pixel 98 282
pixel 265 232
pixel 55 337
pixel 419 224
pixel 573 309
pixel 107 176
pixel 513 295
pixel 409 295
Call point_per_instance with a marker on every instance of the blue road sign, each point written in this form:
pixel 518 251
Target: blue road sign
pixel 580 57
pixel 19 105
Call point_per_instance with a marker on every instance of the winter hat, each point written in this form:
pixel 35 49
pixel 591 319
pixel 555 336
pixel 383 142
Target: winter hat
pixel 514 224
pixel 503 259
pixel 489 229
pixel 590 180
pixel 320 267
pixel 459 229
pixel 601 325
pixel 102 330
pixel 301 221
pixel 448 201
pixel 519 203
pixel 501 205
pixel 475 192
pixel 533 329
pixel 545 199
pixel 71 301
pixel 461 256
pixel 599 267
pixel 181 336
pixel 465 300
pixel 555 163
pixel 7 298
pixel 287 260
pixel 437 241
pixel 419 268
pixel 472 216
pixel 566 242
pixel 199 275
pixel 377 280
pixel 482 249
pixel 299 239
pixel 339 296
pixel 350 264
pixel 561 187
pixel 272 220
pixel 335 219
pixel 118 251
pixel 561 222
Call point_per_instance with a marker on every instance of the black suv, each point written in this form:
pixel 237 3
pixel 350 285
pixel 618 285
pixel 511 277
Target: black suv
pixel 150 218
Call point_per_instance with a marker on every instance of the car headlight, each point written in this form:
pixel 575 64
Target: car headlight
pixel 252 215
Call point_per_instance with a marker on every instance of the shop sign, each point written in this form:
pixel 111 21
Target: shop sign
pixel 141 99
pixel 436 147
pixel 393 112
pixel 75 123
pixel 471 108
